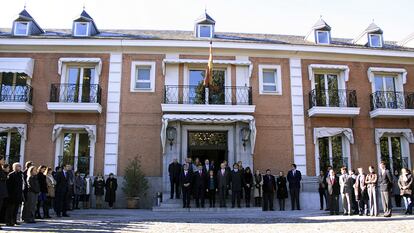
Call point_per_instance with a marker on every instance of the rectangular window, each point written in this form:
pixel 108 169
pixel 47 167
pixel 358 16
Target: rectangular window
pixel 385 92
pixel 391 153
pixel 143 76
pixel 331 153
pixel 76 151
pixel 327 91
pixel 10 143
pixel 81 28
pixel 79 85
pixel 13 87
pixel 196 90
pixel 205 31
pixel 375 40
pixel 21 28
pixel 322 37
pixel 270 79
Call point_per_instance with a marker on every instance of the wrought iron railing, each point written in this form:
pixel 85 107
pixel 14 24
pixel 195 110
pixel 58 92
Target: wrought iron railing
pixel 82 162
pixel 16 93
pixel 187 94
pixel 392 100
pixel 75 93
pixel 333 98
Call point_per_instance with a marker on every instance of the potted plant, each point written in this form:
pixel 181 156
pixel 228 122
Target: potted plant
pixel 135 184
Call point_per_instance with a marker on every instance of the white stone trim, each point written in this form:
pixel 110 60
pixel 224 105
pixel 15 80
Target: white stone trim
pixel 298 122
pixel 134 66
pixel 87 60
pixel 330 132
pixel 17 65
pixel 201 108
pixel 75 26
pixel 406 138
pixel 401 72
pixel 344 69
pixel 15 107
pixel 333 111
pixel 28 25
pixel 391 113
pixel 22 130
pixel 74 107
pixel 113 111
pixel 278 79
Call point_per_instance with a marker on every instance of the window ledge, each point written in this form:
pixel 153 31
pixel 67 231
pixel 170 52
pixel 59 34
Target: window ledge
pixel 16 107
pixel 203 108
pixel 333 111
pixel 391 113
pixel 74 107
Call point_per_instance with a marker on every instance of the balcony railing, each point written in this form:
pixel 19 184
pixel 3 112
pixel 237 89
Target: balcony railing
pixel 392 100
pixel 333 98
pixel 75 93
pixel 185 94
pixel 22 94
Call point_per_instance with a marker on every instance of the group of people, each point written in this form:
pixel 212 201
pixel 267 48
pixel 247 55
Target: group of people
pixel 29 194
pixel 206 181
pixel 358 192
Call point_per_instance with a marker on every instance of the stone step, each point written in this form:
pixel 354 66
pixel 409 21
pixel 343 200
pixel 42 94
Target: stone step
pixel 163 209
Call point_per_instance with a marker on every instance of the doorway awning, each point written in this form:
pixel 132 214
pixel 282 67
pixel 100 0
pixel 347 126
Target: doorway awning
pixel 17 65
pixel 92 60
pixel 207 118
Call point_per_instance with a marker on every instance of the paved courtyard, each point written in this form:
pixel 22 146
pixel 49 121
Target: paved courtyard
pixel 219 221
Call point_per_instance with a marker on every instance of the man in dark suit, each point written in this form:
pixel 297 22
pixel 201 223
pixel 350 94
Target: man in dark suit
pixel 294 177
pixel 385 186
pixel 269 189
pixel 61 191
pixel 223 184
pixel 186 180
pixel 200 178
pixel 236 179
pixel 174 170
pixel 15 183
pixel 333 192
pixel 206 167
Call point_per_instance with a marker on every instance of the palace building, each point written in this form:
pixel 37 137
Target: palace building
pixel 96 98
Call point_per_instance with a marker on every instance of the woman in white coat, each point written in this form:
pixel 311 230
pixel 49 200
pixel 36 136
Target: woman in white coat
pixel 257 191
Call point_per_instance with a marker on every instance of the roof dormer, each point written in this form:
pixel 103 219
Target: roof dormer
pixel 204 26
pixel 84 26
pixel 25 25
pixel 320 33
pixel 372 37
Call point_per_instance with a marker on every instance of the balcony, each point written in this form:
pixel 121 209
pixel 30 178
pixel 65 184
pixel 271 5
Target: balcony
pixel 392 104
pixel 333 103
pixel 16 98
pixel 75 98
pixel 186 98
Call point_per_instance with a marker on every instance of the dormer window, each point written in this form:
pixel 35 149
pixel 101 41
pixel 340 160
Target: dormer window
pixel 81 28
pixel 205 31
pixel 375 40
pixel 21 28
pixel 322 37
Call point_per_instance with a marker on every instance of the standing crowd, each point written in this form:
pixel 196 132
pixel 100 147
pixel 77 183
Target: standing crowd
pixel 32 193
pixel 198 181
pixel 358 193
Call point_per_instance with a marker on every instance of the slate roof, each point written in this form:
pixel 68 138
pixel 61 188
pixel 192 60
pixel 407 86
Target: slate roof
pixel 321 24
pixel 189 36
pixel 205 19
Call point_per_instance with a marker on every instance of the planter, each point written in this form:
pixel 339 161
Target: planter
pixel 132 202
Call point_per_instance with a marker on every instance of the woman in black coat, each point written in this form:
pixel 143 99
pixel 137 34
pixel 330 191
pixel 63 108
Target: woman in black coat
pixel 248 184
pixel 3 186
pixel 43 192
pixel 99 185
pixel 110 187
pixel 282 192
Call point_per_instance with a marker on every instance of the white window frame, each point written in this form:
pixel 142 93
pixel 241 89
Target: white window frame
pixel 346 148
pixel 76 26
pixel 59 148
pixel 204 25
pixel 22 140
pixel 370 40
pixel 278 79
pixel 21 22
pixel 82 66
pixel 405 149
pixel 134 68
pixel 399 73
pixel 325 32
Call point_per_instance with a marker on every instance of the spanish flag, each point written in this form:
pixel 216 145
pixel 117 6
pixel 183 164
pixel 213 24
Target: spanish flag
pixel 209 73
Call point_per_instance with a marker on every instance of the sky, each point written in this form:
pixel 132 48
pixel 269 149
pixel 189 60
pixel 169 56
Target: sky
pixel 347 18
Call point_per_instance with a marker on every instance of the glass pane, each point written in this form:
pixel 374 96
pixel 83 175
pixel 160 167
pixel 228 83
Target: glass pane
pixel 385 153
pixel 337 154
pixel 389 84
pixel 142 85
pixel 71 89
pixel 143 73
pixel 68 149
pixel 375 40
pixel 324 161
pixel 7 87
pixel 196 77
pixel 3 143
pixel 323 37
pixel 83 153
pixel 320 90
pixel 196 93
pixel 88 88
pixel 269 76
pixel 205 31
pixel 269 88
pixel 21 28
pixel 14 155
pixel 396 153
pixel 216 89
pixel 81 29
pixel 379 85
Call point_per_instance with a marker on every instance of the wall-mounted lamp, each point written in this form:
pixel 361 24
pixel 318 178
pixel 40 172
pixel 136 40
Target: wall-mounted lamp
pixel 245 134
pixel 171 135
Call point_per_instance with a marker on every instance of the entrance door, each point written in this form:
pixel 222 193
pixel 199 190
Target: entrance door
pixel 211 145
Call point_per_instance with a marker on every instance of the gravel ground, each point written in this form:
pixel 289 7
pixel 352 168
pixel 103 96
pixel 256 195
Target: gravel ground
pixel 223 221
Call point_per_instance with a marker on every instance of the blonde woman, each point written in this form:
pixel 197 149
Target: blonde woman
pixel 371 181
pixel 32 194
pixel 257 188
pixel 50 197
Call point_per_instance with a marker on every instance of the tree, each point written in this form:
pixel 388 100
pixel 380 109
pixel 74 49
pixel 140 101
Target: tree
pixel 135 183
